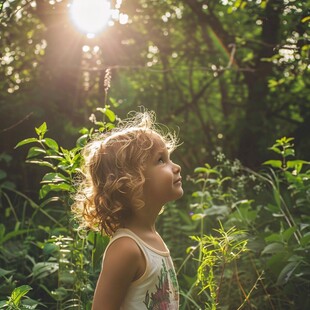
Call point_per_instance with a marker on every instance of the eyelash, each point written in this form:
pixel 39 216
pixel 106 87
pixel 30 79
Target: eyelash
pixel 161 160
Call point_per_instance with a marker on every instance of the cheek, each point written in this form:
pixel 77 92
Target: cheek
pixel 153 185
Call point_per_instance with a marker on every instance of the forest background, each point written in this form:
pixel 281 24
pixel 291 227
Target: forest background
pixel 231 77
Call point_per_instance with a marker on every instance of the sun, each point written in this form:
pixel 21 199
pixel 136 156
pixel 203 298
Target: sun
pixel 90 16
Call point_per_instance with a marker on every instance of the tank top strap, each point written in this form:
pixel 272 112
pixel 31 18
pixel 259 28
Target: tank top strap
pixel 121 233
pixel 124 232
pixel 158 285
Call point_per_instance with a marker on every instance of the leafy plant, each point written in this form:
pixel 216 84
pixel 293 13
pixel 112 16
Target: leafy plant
pixel 217 253
pixel 285 148
pixel 18 300
pixel 288 242
pixel 249 246
pixel 271 206
pixel 48 254
pixel 218 246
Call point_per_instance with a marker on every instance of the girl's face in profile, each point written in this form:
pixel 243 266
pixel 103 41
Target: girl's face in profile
pixel 163 181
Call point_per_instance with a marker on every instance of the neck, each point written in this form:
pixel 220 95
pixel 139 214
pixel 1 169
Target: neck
pixel 141 223
pixel 144 219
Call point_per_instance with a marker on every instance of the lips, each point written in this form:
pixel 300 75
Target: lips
pixel 179 180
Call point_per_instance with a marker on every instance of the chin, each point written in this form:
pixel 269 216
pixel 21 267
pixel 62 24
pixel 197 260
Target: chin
pixel 180 194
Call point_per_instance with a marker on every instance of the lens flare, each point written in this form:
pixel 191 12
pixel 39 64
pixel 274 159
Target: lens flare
pixel 90 16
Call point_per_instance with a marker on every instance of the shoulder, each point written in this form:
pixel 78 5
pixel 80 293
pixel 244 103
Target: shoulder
pixel 124 258
pixel 124 252
pixel 121 266
pixel 125 246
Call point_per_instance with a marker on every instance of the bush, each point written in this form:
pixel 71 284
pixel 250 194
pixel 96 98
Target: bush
pixel 268 213
pixel 241 239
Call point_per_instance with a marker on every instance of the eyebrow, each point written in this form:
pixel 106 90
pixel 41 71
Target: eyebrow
pixel 162 152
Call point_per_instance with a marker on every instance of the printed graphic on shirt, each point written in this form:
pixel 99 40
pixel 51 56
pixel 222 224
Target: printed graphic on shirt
pixel 166 294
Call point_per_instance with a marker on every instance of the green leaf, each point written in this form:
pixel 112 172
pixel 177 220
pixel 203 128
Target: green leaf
pixel 60 293
pixel 18 293
pixel 114 102
pixel 110 114
pixel 8 185
pixel 26 141
pixel 305 19
pixel 3 304
pixel 44 269
pixel 67 277
pixel 53 177
pixel 40 163
pixel 12 234
pixel 218 210
pixel 35 151
pixel 84 131
pixel 51 143
pixel 5 158
pixel 289 152
pixel 305 240
pixel 272 248
pixel 275 149
pixel 2 231
pixel 44 190
pixel 288 233
pixel 100 243
pixel 284 140
pixel 41 130
pixel 29 304
pixel 3 174
pixel 273 163
pixel 295 163
pixel 198 216
pixel 62 187
pixel 275 237
pixel 81 141
pixel 47 188
pixel 57 157
pixel 263 4
pixel 287 272
pixel 272 83
pixel 272 208
pixel 50 248
pixel 201 170
pixel 4 272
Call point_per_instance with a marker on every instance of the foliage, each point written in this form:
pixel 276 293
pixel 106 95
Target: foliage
pixel 271 206
pixel 234 72
pixel 15 302
pixel 216 254
pixel 249 244
pixel 38 244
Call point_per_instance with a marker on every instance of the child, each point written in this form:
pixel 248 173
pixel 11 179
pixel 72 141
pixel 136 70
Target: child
pixel 129 176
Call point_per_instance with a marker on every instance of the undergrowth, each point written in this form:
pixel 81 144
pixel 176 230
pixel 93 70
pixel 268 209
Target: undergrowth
pixel 240 239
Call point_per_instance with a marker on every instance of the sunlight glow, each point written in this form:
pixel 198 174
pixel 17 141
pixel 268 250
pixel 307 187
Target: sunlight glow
pixel 90 16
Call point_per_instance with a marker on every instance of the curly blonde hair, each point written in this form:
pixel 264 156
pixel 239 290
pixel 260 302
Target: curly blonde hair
pixel 111 187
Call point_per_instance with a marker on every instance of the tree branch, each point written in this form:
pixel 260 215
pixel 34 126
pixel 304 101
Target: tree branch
pixel 17 123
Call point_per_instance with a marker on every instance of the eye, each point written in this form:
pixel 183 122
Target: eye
pixel 161 160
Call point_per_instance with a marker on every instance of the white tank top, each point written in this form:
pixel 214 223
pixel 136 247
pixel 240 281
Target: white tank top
pixel 157 288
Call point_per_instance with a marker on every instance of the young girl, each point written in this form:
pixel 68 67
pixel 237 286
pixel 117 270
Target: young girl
pixel 129 176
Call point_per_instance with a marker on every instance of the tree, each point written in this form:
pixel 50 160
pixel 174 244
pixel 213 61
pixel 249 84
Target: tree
pixel 232 75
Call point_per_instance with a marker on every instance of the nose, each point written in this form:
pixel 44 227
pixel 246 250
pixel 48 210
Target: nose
pixel 176 168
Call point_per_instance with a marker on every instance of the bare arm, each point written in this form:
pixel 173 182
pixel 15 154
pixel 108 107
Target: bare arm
pixel 123 264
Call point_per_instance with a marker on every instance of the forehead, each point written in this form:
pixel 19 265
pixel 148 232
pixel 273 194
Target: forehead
pixel 159 143
pixel 137 140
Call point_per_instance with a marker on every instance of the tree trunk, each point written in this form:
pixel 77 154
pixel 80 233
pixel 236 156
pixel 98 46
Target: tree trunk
pixel 255 127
